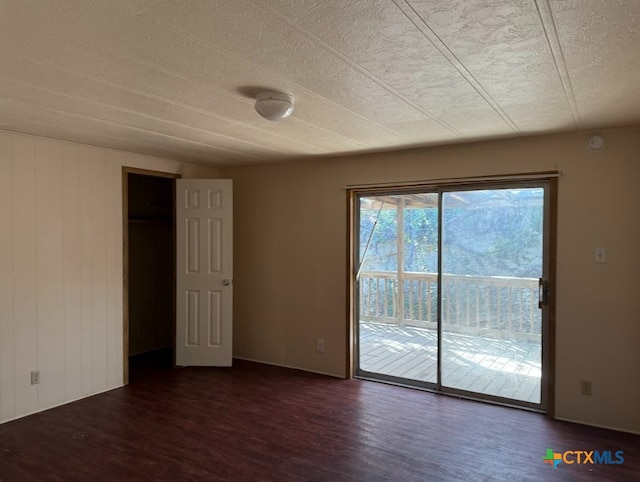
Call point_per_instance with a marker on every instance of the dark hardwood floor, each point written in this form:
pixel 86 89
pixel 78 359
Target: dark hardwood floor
pixel 256 422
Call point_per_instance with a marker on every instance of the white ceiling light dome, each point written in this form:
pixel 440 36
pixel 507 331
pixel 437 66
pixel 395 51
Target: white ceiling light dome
pixel 274 106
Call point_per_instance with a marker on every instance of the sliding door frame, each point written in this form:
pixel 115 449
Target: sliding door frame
pixel 547 181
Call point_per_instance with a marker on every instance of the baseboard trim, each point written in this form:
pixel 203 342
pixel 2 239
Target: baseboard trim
pixel 60 404
pixel 333 375
pixel 596 425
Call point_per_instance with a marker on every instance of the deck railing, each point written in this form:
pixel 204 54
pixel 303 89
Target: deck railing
pixel 495 306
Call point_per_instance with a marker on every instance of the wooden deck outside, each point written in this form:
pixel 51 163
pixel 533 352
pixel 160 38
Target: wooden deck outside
pixel 503 368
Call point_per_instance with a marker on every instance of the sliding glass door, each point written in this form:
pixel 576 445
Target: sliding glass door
pixel 448 288
pixel 398 286
pixel 492 261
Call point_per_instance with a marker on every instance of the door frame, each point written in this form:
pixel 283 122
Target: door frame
pixel 125 260
pixel 549 321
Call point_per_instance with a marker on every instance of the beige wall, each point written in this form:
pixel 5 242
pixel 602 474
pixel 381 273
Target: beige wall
pixel 291 257
pixel 61 268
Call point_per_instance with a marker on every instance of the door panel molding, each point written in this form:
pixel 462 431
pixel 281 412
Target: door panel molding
pixel 204 227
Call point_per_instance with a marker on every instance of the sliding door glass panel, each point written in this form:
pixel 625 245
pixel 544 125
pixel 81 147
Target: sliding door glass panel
pixel 492 248
pixel 397 286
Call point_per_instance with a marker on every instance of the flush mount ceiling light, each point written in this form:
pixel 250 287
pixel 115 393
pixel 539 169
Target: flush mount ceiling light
pixel 274 106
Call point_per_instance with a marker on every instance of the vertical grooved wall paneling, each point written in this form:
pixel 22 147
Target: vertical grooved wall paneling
pixel 85 274
pixel 114 163
pixel 49 272
pixel 98 211
pixel 25 285
pixel 72 272
pixel 61 268
pixel 7 393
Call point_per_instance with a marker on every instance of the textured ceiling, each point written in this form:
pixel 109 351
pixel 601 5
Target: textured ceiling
pixel 176 78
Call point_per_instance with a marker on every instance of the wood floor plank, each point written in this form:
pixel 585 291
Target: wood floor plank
pixel 256 422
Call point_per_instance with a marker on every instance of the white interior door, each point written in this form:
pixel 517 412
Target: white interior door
pixel 204 289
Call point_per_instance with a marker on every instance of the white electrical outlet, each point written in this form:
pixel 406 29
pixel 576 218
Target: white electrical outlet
pixel 35 377
pixel 586 388
pixel 320 345
pixel 601 255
